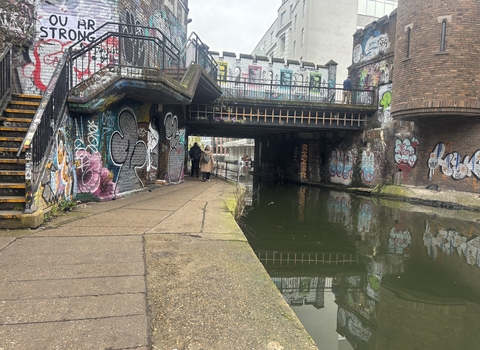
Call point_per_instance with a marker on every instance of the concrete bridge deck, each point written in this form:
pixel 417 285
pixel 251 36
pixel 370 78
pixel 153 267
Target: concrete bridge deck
pixel 166 269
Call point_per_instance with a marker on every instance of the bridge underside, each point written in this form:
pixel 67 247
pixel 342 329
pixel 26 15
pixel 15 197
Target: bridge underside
pixel 254 120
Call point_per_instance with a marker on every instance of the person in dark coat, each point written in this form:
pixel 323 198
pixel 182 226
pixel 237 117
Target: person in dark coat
pixel 195 153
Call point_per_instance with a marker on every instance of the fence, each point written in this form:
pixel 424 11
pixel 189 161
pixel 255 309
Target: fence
pixel 279 90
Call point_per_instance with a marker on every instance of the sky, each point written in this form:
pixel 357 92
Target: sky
pixel 232 25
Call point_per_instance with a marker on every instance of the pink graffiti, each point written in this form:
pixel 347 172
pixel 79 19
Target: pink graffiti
pixel 405 152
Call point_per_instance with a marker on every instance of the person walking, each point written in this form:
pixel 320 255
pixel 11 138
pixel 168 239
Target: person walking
pixel 347 90
pixel 195 153
pixel 206 163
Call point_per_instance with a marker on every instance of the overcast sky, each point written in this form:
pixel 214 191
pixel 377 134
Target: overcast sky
pixel 232 25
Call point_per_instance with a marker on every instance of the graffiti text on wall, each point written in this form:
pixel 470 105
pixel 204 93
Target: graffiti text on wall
pixel 176 154
pixel 384 103
pixel 405 153
pixel 373 44
pixel 341 166
pixel 304 161
pixel 451 164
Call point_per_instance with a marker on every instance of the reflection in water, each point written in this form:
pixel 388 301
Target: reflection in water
pixel 380 274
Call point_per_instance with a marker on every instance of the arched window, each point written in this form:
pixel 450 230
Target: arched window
pixel 444 34
pixel 409 32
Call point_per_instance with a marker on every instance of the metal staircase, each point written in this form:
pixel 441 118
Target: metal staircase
pixel 14 122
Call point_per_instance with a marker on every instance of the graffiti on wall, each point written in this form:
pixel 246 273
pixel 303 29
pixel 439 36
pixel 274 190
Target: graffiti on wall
pixel 448 241
pixel 177 148
pixel 451 164
pixel 59 25
pixel 304 162
pixel 127 151
pixel 384 103
pixel 406 153
pixel 18 19
pixel 153 138
pixel 373 44
pixel 368 164
pixel 59 180
pixel 341 166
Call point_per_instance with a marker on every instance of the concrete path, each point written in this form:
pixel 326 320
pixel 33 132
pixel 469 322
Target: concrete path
pixel 166 269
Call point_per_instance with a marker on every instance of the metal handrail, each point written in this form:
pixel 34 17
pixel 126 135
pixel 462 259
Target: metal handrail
pixel 123 45
pixel 196 51
pixel 5 76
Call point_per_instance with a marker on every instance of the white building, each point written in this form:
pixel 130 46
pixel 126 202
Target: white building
pixel 320 30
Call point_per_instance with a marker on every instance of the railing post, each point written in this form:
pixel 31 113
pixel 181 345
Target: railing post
pixel 120 39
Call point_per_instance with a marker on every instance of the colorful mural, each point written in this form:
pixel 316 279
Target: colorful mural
pixel 406 153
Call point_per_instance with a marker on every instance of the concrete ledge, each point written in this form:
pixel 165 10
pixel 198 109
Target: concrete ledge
pixel 33 220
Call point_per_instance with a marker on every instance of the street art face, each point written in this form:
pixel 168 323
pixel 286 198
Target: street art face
pixel 177 148
pixel 405 153
pixel 447 241
pixel 451 164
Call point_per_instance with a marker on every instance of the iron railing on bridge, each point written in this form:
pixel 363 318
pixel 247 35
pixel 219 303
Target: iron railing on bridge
pixel 5 76
pixel 277 90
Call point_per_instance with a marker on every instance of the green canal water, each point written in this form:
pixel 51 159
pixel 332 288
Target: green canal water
pixel 366 273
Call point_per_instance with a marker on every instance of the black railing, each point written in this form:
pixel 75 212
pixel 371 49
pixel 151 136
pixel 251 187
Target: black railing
pixel 195 51
pixel 281 91
pixel 45 124
pixel 129 47
pixel 5 77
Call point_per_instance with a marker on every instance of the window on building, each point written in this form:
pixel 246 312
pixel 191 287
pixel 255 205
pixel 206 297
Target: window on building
pixel 294 48
pixel 282 45
pixel 376 8
pixel 409 33
pixel 444 34
pixel 304 8
pixel 295 23
pixel 283 18
pixel 303 36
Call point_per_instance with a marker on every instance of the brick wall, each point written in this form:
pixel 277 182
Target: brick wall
pixel 430 81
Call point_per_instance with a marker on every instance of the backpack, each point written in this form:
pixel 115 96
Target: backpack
pixel 206 158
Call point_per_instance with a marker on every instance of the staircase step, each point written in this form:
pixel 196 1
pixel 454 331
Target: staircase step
pixel 16 120
pixel 10 214
pixel 12 199
pixel 33 97
pixel 25 103
pixel 21 111
pixel 12 172
pixel 11 139
pixel 12 185
pixel 10 149
pixel 12 161
pixel 13 129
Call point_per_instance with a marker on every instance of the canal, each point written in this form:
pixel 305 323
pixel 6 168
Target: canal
pixel 362 272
